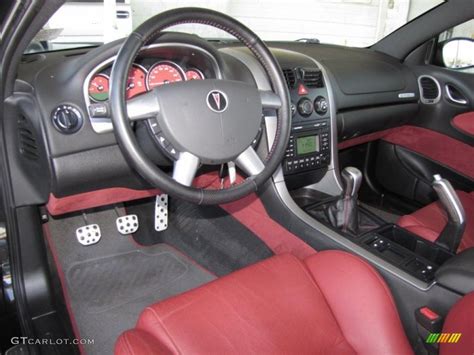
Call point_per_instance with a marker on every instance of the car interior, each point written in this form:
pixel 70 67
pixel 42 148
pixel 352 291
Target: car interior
pixel 168 193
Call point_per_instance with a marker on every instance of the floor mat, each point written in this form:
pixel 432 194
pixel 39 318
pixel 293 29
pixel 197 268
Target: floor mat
pixel 208 234
pixel 110 283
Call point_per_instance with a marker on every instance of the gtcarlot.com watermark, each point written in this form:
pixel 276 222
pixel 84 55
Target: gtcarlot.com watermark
pixel 48 341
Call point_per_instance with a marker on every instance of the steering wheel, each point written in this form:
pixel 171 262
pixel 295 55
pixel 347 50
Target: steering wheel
pixel 206 121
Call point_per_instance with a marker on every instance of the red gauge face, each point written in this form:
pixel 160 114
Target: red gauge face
pixel 163 73
pixel 136 82
pixel 194 74
pixel 99 87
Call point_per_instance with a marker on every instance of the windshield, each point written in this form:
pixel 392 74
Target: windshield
pixel 356 23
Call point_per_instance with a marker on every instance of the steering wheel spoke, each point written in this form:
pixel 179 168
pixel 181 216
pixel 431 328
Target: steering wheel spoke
pixel 143 106
pixel 250 162
pixel 269 99
pixel 185 168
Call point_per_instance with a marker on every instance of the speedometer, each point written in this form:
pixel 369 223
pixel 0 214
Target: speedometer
pixel 164 73
pixel 136 81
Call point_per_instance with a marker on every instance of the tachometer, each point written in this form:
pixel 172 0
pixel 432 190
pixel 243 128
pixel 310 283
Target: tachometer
pixel 164 73
pixel 136 81
pixel 194 74
pixel 99 87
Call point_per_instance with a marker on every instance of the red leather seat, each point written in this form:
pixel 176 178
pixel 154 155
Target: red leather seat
pixel 429 221
pixel 460 319
pixel 330 303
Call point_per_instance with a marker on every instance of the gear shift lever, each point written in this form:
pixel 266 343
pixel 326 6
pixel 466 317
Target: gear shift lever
pixel 352 179
pixel 452 234
pixel 344 214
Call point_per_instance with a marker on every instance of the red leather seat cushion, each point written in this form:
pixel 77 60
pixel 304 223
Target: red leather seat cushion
pixel 460 320
pixel 332 303
pixel 429 221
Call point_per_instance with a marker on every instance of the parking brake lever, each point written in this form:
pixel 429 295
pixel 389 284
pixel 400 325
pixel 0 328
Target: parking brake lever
pixel 452 233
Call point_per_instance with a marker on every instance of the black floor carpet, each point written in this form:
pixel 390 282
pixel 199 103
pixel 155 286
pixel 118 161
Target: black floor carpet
pixel 111 282
pixel 207 234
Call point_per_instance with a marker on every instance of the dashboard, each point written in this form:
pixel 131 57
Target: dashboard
pixel 333 97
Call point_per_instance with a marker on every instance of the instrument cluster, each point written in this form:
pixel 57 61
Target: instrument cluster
pixel 143 77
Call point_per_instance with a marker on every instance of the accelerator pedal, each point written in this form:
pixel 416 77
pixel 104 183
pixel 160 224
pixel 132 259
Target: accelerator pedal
pixel 161 212
pixel 127 224
pixel 89 234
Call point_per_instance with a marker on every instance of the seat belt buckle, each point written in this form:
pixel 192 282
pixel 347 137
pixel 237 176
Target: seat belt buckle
pixel 429 325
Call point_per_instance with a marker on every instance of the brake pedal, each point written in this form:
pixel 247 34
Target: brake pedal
pixel 127 224
pixel 89 234
pixel 161 213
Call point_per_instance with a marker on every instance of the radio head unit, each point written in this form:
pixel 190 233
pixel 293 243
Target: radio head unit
pixel 308 148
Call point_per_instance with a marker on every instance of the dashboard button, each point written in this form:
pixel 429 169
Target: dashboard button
pixel 67 118
pixel 302 90
pixel 99 110
pixel 293 109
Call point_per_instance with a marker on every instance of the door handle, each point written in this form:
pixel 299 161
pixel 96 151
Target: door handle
pixel 452 98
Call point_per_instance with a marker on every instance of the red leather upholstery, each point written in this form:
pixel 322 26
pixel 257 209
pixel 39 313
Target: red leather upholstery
pixel 429 221
pixel 331 303
pixel 464 123
pixel 460 319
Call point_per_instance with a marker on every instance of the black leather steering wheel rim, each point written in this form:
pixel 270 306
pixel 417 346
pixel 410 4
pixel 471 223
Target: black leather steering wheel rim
pixel 149 31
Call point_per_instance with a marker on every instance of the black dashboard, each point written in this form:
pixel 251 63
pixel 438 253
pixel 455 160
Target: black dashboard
pixel 364 90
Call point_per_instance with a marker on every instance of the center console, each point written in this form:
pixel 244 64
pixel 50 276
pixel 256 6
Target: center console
pixel 309 147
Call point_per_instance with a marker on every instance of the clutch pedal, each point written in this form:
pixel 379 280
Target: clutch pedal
pixel 161 213
pixel 127 224
pixel 89 234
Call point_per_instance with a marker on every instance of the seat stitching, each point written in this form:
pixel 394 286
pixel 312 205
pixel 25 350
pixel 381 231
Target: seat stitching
pixel 158 319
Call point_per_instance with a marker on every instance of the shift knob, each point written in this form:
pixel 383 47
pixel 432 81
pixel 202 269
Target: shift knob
pixel 352 179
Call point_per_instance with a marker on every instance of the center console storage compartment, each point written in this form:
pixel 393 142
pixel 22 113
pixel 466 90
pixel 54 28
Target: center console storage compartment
pixel 405 250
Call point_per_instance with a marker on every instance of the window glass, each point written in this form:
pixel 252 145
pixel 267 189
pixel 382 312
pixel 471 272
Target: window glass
pixel 357 23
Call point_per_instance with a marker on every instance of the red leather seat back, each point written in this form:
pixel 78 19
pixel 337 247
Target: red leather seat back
pixel 274 307
pixel 429 221
pixel 460 319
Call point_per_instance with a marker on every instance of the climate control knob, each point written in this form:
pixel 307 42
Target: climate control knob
pixel 321 105
pixel 305 107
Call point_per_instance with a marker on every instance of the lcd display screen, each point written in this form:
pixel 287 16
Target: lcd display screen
pixel 306 145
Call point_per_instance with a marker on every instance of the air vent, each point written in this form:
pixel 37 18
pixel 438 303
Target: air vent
pixel 26 140
pixel 313 78
pixel 430 90
pixel 290 77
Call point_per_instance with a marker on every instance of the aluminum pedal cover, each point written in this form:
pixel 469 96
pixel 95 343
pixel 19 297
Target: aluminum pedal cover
pixel 88 235
pixel 127 224
pixel 161 213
